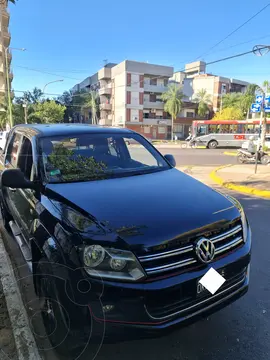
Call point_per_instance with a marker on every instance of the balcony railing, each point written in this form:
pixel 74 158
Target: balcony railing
pixel 104 106
pixel 154 105
pixel 106 90
pixel 155 88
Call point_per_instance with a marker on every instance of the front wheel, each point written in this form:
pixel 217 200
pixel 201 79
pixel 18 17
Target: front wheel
pixel 241 159
pixel 212 144
pixel 265 160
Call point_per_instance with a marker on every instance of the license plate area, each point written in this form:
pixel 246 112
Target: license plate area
pixel 200 289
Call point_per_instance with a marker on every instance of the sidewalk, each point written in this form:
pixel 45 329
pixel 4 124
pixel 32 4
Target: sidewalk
pixel 243 179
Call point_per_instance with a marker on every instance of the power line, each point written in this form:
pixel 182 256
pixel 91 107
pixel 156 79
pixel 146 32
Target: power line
pixel 233 32
pixel 45 72
pixel 183 70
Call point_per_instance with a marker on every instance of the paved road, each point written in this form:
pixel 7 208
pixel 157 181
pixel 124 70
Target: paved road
pixel 199 156
pixel 241 331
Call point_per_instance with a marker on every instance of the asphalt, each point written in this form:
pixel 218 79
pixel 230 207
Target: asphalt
pixel 204 157
pixel 240 331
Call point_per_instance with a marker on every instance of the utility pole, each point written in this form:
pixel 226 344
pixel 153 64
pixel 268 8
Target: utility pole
pixel 25 113
pixel 259 143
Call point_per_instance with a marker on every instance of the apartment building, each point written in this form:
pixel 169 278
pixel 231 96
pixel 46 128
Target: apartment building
pixel 4 45
pixel 136 98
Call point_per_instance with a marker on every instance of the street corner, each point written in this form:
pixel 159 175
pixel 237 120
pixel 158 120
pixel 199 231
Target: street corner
pixel 243 180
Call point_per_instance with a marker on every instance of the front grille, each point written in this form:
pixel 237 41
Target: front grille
pixel 225 240
pixel 185 300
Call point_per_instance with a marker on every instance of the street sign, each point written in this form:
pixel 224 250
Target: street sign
pixel 255 107
pixel 267 109
pixel 267 98
pixel 259 99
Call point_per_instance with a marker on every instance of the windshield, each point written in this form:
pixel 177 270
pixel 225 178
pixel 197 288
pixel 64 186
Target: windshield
pixel 98 156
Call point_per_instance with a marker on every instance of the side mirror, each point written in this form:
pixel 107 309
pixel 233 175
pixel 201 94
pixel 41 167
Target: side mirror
pixel 14 178
pixel 170 158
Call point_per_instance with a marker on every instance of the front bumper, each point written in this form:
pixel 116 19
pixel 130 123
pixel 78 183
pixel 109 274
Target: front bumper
pixel 166 302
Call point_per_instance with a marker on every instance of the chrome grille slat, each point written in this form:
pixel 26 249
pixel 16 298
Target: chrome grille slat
pixel 165 254
pixel 172 266
pixel 229 245
pixel 227 234
pixel 185 256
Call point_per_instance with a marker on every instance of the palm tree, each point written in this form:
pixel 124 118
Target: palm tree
pixel 231 100
pixel 173 99
pixel 91 101
pixel 204 100
pixel 249 96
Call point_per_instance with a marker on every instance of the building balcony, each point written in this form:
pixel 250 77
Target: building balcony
pixel 155 121
pixel 153 105
pixel 104 106
pixel 5 17
pixel 155 88
pixel 7 37
pixel 106 90
pixel 107 121
pixel 104 73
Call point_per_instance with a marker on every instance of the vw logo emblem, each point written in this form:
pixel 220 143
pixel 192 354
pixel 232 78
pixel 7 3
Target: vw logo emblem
pixel 205 250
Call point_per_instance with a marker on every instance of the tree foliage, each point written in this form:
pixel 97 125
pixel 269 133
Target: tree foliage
pixel 47 112
pixel 229 113
pixel 204 101
pixel 173 99
pixel 63 163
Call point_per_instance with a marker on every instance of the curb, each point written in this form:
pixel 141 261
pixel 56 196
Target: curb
pixel 24 340
pixel 239 188
pixel 230 153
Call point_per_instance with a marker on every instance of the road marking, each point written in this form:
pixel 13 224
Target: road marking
pixel 24 339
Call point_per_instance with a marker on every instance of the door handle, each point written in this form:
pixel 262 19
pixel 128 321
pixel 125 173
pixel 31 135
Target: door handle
pixel 12 189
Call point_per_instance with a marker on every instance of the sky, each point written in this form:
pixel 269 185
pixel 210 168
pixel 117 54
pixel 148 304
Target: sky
pixel 69 40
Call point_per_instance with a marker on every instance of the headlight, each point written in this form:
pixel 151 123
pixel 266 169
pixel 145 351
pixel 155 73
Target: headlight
pixel 243 216
pixel 111 263
pixel 245 225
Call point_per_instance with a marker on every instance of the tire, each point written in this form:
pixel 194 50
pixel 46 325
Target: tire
pixel 212 144
pixel 64 322
pixel 265 160
pixel 241 159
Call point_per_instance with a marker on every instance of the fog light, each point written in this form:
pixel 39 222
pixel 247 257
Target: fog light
pixel 108 308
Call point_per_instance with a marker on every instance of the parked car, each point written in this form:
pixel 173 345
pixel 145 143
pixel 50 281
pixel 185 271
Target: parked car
pixel 267 142
pixel 114 236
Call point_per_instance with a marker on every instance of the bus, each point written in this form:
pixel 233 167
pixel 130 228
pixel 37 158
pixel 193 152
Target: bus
pixel 225 133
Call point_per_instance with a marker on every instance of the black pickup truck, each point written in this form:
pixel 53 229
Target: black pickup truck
pixel 115 235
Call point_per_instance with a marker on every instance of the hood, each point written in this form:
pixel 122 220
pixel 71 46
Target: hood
pixel 152 209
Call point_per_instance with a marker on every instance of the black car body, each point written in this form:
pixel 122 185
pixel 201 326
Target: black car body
pixel 155 220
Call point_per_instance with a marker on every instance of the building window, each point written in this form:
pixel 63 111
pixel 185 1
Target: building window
pixel 161 130
pixel 223 88
pixel 178 128
pixel 146 129
pixel 190 114
pixel 135 98
pixel 153 81
pixel 134 115
pixel 153 98
pixel 166 82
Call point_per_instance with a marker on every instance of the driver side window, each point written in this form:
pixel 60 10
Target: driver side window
pixel 25 161
pixel 13 149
